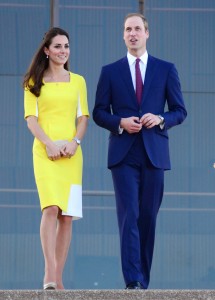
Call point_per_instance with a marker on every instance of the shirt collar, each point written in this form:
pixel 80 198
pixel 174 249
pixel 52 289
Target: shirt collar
pixel 132 59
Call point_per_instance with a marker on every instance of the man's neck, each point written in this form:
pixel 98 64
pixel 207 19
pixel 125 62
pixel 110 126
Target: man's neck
pixel 137 53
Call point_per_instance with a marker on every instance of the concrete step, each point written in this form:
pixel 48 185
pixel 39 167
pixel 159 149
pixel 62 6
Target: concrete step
pixel 108 295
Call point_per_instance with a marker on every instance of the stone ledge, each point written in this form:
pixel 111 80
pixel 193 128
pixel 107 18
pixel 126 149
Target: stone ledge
pixel 107 295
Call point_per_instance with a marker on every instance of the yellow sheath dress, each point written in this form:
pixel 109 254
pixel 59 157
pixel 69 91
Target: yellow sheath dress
pixel 57 108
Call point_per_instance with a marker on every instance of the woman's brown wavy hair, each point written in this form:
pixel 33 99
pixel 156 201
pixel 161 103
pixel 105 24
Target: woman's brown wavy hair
pixel 33 79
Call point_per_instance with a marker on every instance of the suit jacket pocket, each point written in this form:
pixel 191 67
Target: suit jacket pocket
pixel 162 132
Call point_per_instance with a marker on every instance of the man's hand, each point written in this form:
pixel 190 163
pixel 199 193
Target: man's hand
pixel 131 124
pixel 149 120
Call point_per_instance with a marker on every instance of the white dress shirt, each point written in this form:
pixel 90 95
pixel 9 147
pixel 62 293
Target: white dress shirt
pixel 142 64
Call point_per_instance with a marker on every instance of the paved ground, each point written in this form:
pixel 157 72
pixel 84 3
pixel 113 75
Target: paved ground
pixel 107 295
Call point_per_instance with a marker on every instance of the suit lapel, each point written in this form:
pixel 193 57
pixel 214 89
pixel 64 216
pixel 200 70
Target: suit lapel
pixel 151 68
pixel 126 76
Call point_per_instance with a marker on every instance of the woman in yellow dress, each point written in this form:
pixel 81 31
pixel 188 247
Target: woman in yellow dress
pixel 56 112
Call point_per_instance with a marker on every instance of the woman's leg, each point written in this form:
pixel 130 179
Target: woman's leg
pixel 48 241
pixel 63 240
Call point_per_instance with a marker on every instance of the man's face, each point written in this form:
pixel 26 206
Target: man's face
pixel 135 35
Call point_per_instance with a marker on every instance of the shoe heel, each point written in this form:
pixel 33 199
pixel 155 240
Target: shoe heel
pixel 49 286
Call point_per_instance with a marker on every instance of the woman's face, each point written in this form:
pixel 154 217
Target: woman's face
pixel 58 50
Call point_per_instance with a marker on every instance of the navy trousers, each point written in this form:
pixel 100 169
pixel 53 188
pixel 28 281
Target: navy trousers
pixel 138 190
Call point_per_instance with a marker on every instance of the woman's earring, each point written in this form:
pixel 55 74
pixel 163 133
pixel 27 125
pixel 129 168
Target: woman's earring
pixel 47 56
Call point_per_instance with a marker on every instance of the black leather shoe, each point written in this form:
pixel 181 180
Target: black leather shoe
pixel 135 285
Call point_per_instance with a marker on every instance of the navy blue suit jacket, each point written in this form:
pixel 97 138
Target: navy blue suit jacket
pixel 116 99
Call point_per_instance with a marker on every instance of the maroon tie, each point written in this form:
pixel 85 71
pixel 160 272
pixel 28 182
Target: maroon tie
pixel 139 82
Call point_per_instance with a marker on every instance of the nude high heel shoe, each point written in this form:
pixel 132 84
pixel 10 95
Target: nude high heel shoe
pixel 50 286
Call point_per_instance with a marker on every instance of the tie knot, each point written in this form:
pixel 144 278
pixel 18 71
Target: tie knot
pixel 137 60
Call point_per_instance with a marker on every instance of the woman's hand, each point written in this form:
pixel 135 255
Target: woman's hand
pixel 69 149
pixel 53 151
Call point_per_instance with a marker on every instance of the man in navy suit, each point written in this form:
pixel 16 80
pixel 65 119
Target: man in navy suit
pixel 138 150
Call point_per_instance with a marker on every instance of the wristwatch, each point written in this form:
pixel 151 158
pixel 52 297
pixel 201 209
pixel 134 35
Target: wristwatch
pixel 162 120
pixel 77 140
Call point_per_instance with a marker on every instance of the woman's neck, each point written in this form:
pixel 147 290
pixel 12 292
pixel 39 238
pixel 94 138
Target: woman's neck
pixel 53 74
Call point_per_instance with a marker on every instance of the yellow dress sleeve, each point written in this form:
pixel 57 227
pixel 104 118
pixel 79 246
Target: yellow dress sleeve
pixel 82 103
pixel 30 104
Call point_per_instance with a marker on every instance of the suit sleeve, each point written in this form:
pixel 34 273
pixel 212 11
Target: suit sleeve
pixel 102 113
pixel 176 108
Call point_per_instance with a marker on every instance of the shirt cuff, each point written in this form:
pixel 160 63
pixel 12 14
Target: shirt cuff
pixel 120 130
pixel 162 126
